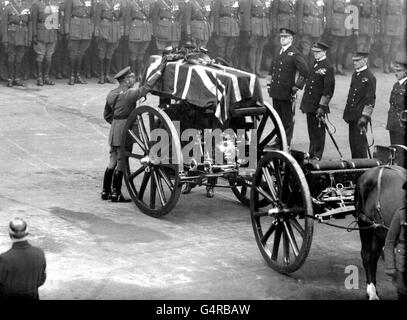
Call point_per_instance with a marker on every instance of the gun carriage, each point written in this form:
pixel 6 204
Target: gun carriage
pixel 285 191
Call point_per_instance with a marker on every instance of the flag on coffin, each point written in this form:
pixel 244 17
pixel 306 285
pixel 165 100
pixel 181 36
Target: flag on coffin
pixel 223 87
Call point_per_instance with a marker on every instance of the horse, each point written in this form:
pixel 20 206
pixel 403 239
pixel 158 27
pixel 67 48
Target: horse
pixel 378 195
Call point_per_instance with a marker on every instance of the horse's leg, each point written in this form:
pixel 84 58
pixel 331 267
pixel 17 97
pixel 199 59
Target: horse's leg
pixel 366 237
pixel 377 247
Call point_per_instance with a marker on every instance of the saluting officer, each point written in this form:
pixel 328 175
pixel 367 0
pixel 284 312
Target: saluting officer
pixel 367 24
pixel 166 18
pixel 338 31
pixel 256 22
pixel 393 21
pixel 226 27
pixel 120 102
pixel 139 30
pixel 396 120
pixel 310 15
pixel 283 16
pixel 359 105
pixel 284 85
pixel 16 38
pixel 109 28
pixel 195 22
pixel 78 30
pixel 44 18
pixel 318 91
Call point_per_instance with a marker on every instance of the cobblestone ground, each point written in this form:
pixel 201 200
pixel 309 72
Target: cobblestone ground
pixel 53 143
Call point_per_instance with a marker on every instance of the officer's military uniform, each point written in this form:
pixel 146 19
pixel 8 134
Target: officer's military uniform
pixel 139 30
pixel 337 31
pixel 44 17
pixel 195 22
pixel 367 24
pixel 120 102
pixel 255 20
pixel 395 251
pixel 109 28
pixel 398 107
pixel 283 16
pixel 226 27
pixel 78 29
pixel 360 102
pixel 310 14
pixel 16 37
pixel 60 57
pixel 318 91
pixel 166 20
pixel 283 81
pixel 393 20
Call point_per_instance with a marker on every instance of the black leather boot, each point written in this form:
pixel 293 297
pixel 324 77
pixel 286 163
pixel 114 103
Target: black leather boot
pixel 40 81
pixel 107 77
pixel 47 79
pixel 10 80
pixel 107 184
pixel 102 72
pixel 71 71
pixel 117 187
pixel 78 78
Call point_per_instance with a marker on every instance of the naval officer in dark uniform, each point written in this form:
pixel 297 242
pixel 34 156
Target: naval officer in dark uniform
pixel 398 104
pixel 359 105
pixel 318 91
pixel 284 85
pixel 120 102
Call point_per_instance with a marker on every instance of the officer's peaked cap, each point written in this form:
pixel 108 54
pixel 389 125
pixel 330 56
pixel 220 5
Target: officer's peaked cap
pixel 319 46
pixel 360 54
pixel 122 73
pixel 286 31
pixel 17 228
pixel 401 61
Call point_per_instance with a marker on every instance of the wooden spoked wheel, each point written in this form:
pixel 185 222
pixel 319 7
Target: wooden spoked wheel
pixel 270 136
pixel 153 160
pixel 284 227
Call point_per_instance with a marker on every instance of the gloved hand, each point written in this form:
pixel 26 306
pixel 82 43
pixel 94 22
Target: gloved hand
pixel 320 112
pixel 362 122
pixel 294 89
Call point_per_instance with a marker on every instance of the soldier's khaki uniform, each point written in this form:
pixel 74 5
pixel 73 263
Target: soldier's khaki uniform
pixel 109 28
pixel 255 20
pixel 226 27
pixel 60 57
pixel 166 20
pixel 16 37
pixel 196 22
pixel 139 30
pixel 367 24
pixel 283 16
pixel 45 24
pixel 337 31
pixel 310 14
pixel 78 29
pixel 393 20
pixel 3 71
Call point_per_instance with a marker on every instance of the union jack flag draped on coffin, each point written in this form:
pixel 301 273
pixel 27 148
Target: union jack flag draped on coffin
pixel 215 86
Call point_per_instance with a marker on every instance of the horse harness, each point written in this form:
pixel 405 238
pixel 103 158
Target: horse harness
pixel 380 223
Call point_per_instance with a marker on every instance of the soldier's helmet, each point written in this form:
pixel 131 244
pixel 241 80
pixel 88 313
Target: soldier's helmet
pixel 17 228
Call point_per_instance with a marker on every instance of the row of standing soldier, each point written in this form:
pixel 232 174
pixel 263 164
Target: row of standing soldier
pixel 102 31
